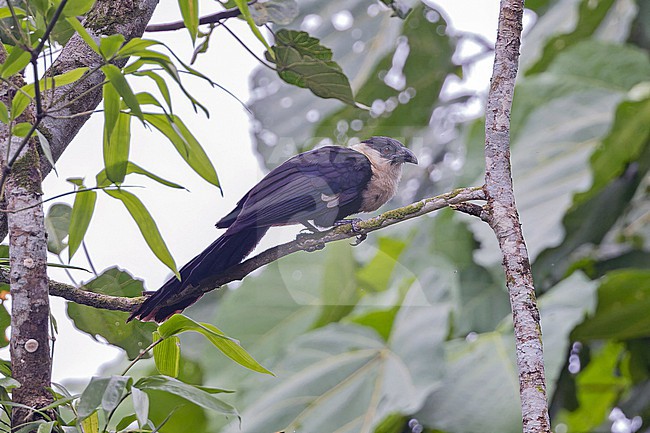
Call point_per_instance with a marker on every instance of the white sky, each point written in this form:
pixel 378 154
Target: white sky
pixel 186 219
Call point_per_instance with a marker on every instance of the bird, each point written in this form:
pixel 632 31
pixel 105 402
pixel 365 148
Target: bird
pixel 324 186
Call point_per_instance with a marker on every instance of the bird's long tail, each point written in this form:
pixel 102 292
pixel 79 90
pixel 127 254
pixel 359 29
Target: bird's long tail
pixel 228 250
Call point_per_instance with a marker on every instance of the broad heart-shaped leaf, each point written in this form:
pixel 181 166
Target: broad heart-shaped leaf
pixel 303 62
pixel 186 391
pixel 57 223
pixel 347 378
pixel 480 390
pixel 622 312
pixel 111 325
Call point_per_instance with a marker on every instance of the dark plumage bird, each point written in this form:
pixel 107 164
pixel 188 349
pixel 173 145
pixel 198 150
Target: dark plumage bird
pixel 323 185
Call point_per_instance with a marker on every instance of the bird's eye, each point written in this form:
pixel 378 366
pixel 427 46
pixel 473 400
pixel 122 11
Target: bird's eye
pixel 385 150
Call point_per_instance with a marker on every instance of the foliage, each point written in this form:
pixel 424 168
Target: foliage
pixel 413 327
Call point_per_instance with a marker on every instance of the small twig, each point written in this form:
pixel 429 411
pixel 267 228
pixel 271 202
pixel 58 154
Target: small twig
pixel 90 262
pixel 246 47
pixel 214 18
pixel 140 355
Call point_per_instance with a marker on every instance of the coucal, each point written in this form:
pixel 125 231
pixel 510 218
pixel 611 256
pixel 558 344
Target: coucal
pixel 323 185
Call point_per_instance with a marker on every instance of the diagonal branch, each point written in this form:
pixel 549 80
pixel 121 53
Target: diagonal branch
pixel 504 220
pixel 302 243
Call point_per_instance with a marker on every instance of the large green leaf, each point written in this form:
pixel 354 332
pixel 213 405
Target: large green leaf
pixel 489 359
pixel 111 325
pixel 116 148
pixel 302 61
pixel 622 313
pixel 190 13
pixel 102 392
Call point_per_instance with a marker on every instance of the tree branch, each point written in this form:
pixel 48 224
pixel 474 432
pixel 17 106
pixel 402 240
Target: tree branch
pixel 504 220
pixel 310 242
pixel 208 19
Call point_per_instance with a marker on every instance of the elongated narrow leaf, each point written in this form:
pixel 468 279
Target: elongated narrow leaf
pixel 45 147
pixel 16 62
pixel 116 149
pixel 186 391
pixel 104 392
pixel 135 47
pixel 140 405
pixel 114 75
pixel 167 355
pixel 162 86
pixel 246 13
pixel 186 145
pixel 91 424
pixel 4 113
pixel 82 212
pixel 110 45
pixel 102 180
pixel 111 100
pixel 147 226
pixel 76 25
pixel 228 346
pixel 26 93
pixel 46 427
pixel 57 224
pixel 190 13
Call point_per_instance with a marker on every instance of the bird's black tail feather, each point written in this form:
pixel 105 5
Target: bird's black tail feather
pixel 228 250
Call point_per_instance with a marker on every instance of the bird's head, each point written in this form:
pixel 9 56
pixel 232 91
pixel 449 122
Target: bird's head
pixel 391 150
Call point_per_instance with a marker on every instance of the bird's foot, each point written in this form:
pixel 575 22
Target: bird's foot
pixel 353 222
pixel 306 237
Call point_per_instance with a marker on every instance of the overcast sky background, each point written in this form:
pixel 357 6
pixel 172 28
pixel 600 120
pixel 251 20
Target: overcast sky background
pixel 186 219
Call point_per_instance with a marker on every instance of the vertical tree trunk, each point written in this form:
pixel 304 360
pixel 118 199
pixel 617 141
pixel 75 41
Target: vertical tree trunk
pixel 504 220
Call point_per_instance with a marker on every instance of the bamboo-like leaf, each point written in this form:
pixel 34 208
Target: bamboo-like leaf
pixel 76 25
pixel 4 113
pixel 162 86
pixel 167 354
pixel 190 14
pixel 147 226
pixel 114 75
pixel 186 391
pixel 116 149
pixel 246 13
pixel 230 347
pixel 185 143
pixel 135 47
pixel 111 99
pixel 110 45
pixel 140 405
pixel 82 212
pixel 102 180
pixel 16 61
pixel 45 147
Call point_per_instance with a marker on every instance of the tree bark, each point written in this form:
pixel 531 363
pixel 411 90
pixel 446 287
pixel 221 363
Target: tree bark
pixel 504 220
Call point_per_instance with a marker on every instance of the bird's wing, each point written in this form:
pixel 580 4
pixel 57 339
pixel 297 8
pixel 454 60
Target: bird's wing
pixel 322 182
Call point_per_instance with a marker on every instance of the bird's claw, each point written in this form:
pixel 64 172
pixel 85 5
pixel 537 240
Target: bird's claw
pixel 354 227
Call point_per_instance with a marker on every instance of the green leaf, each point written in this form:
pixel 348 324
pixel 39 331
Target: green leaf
pixel 136 46
pixel 246 13
pixel 76 8
pixel 117 80
pixel 57 224
pixel 82 212
pixel 104 392
pixel 26 93
pixel 111 325
pixel 167 354
pixel 116 149
pixel 110 45
pixel 190 14
pixel 623 303
pixel 16 62
pixel 5 323
pixel 302 61
pixel 281 12
pixel 147 226
pixel 140 405
pixel 186 391
pixel 187 146
pixel 4 113
pixel 45 148
pixel 22 129
pixel 76 25
pixel 102 180
pixel 46 427
pixel 228 346
pixel 162 85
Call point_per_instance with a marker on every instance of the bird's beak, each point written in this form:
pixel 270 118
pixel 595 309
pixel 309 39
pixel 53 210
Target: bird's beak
pixel 405 155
